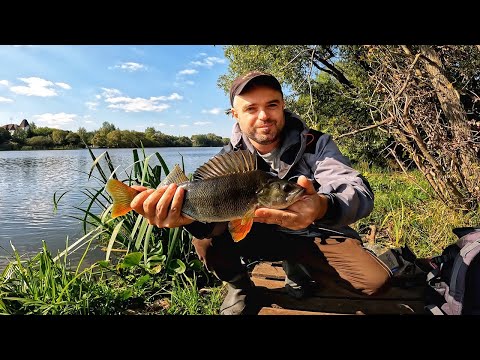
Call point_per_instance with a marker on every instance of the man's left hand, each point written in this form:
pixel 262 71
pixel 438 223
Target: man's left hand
pixel 299 215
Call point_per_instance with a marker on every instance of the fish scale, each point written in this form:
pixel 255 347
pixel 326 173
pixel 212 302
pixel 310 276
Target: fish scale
pixel 223 198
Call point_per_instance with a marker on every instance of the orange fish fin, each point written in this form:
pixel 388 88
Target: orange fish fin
pixel 122 196
pixel 239 228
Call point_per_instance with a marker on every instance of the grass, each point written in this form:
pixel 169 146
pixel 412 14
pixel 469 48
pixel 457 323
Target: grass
pixel 407 213
pixel 156 271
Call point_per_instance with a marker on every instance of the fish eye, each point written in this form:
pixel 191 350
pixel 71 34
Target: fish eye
pixel 287 187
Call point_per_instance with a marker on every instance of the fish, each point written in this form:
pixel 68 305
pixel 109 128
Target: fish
pixel 228 187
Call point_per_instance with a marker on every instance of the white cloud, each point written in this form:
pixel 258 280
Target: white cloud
pixel 201 123
pixel 4 82
pixel 5 100
pixel 35 87
pixel 130 66
pixel 63 85
pixel 188 72
pixel 209 61
pixel 56 121
pixel 109 92
pixel 214 111
pixel 128 104
pixel 190 82
pixel 173 96
pixel 184 125
pixel 135 104
pixel 92 105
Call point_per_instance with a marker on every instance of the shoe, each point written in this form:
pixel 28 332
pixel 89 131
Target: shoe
pixel 240 297
pixel 297 280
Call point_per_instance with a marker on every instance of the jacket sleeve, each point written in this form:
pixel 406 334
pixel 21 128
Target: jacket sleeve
pixel 350 195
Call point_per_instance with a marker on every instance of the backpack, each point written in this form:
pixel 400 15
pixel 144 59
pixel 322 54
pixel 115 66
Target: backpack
pixel 453 284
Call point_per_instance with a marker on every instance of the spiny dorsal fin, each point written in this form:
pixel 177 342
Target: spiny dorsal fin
pixel 176 176
pixel 233 162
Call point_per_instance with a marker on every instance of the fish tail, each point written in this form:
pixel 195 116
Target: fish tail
pixel 122 196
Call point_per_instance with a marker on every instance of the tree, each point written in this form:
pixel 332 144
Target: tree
pixel 322 86
pixel 82 133
pixel 73 139
pixel 4 135
pixel 107 127
pixel 58 136
pixel 418 103
pixel 429 95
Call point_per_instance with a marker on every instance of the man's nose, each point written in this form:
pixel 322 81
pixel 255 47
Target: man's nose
pixel 262 115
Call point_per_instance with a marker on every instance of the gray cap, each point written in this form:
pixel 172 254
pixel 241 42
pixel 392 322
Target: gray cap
pixel 239 84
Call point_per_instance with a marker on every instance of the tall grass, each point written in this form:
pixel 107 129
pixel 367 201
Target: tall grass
pixel 406 212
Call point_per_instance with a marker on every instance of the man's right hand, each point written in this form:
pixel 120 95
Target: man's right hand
pixel 161 207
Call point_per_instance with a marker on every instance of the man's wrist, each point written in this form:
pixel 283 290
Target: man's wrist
pixel 323 208
pixel 332 209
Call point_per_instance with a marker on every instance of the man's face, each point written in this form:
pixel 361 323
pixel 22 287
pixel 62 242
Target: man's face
pixel 259 112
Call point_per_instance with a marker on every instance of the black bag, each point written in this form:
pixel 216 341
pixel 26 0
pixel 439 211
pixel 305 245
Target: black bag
pixel 453 285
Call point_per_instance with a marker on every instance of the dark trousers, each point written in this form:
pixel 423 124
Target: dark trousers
pixel 333 256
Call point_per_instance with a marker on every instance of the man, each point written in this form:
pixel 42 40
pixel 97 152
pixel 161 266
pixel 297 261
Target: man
pixel 312 236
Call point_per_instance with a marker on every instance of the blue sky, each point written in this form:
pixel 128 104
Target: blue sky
pixel 172 88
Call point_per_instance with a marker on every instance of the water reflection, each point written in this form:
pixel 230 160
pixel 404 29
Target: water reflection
pixel 29 179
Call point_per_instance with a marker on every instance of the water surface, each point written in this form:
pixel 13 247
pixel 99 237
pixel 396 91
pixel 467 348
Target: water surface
pixel 29 179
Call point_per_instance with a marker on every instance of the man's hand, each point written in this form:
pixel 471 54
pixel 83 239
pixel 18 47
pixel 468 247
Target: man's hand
pixel 161 207
pixel 300 214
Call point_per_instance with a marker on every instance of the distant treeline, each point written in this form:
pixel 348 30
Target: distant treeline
pixel 40 138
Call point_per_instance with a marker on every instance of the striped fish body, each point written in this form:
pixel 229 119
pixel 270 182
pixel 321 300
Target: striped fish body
pixel 223 198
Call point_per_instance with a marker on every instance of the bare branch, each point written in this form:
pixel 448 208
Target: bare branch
pixel 387 120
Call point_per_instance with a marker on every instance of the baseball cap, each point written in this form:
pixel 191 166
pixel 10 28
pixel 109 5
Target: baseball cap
pixel 259 77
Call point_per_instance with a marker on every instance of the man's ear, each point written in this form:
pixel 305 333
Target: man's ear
pixel 233 113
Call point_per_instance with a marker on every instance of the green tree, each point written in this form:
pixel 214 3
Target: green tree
pixel 107 127
pixel 114 139
pixel 99 140
pixel 4 135
pixel 82 133
pixel 73 139
pixel 419 103
pixel 319 85
pixel 40 142
pixel 58 136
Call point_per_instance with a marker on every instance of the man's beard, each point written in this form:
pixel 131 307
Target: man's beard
pixel 265 139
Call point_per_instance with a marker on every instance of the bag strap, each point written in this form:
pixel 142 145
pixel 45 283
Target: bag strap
pixel 460 267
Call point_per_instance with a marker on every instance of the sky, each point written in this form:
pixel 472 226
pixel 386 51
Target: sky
pixel 172 88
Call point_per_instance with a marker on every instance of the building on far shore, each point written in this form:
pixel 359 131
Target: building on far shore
pixel 24 125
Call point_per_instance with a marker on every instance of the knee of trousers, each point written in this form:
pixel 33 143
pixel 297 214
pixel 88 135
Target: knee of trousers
pixel 375 281
pixel 217 260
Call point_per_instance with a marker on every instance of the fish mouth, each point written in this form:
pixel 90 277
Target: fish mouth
pixel 295 195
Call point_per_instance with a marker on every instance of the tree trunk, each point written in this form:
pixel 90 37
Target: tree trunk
pixel 462 142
